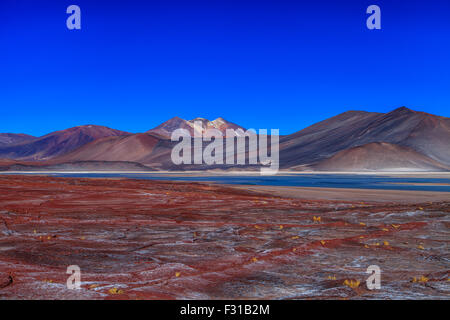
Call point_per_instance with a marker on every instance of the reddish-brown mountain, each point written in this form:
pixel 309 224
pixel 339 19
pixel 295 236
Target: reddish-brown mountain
pixel 57 143
pixel 135 148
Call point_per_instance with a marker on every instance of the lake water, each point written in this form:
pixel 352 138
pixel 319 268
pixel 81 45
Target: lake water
pixel 296 180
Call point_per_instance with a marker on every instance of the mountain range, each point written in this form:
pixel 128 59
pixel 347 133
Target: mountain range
pixel 401 140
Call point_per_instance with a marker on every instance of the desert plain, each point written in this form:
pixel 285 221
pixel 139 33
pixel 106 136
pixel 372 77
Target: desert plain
pixel 146 239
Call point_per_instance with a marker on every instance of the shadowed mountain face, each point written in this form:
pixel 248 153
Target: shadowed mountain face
pixel 422 132
pixel 197 125
pixel 57 143
pixel 13 138
pixel 323 139
pixel 380 156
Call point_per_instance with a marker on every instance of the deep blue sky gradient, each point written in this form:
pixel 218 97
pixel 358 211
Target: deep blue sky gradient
pixel 261 64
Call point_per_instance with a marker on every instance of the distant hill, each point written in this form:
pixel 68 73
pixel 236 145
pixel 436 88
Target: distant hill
pixel 74 166
pixel 57 143
pixel 14 138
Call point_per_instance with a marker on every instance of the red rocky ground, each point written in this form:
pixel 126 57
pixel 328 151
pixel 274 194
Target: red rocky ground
pixel 137 239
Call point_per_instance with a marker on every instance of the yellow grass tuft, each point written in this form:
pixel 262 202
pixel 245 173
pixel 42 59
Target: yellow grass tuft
pixel 352 283
pixel 422 279
pixel 115 291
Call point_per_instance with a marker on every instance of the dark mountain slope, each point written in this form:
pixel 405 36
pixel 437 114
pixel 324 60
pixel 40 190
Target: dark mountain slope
pixel 379 156
pixel 425 133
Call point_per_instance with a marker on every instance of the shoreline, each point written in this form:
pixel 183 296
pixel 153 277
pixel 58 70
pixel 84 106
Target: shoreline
pixel 348 194
pixel 434 174
pixel 296 192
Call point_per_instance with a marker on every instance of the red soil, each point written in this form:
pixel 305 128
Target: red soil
pixel 138 239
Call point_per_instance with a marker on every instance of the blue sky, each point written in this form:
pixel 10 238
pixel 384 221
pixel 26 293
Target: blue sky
pixel 261 64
